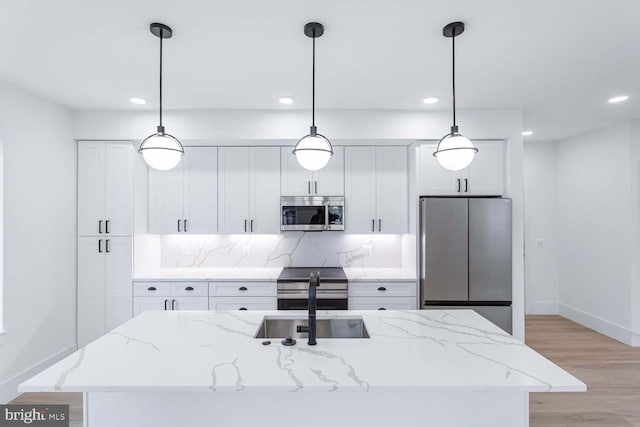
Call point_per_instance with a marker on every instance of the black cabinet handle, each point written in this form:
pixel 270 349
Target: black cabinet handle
pixel 245 225
pixel 178 226
pixel 382 308
pixel 379 225
pixel 466 185
pixel 100 226
pixel 309 187
pixel 316 186
pixel 373 225
pixel 173 304
pixel 242 288
pixel 151 288
pixel 243 309
pixel 188 288
pixel 252 226
pixel 185 226
pixel 459 188
pixel 100 246
pixel 107 250
pixel 106 226
pixel 382 288
pixel 165 304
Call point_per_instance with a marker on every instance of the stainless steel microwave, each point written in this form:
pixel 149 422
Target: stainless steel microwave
pixel 312 213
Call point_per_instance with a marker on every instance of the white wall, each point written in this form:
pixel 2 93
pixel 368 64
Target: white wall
pixel 541 227
pixel 39 277
pixel 597 231
pixel 348 126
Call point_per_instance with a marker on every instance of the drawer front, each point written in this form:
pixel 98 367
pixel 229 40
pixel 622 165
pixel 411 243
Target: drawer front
pixel 378 303
pixel 190 289
pixel 382 289
pixel 152 289
pixel 231 303
pixel 242 289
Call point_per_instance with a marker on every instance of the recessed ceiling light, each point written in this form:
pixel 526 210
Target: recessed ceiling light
pixel 616 99
pixel 527 133
pixel 286 100
pixel 430 100
pixel 137 101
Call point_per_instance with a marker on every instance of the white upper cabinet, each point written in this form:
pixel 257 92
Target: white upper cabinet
pixel 184 199
pixel 249 190
pixel 297 181
pixel 376 190
pixel 485 176
pixel 105 188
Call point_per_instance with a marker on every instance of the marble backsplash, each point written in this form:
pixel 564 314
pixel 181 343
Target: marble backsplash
pixel 287 249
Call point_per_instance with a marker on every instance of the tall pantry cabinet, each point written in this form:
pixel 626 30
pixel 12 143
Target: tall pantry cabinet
pixel 105 237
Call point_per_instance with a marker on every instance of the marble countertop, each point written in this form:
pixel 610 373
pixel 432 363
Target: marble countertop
pixel 271 274
pixel 215 351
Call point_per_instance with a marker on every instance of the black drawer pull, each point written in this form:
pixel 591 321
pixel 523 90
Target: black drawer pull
pixel 151 288
pixel 382 308
pixel 243 309
pixel 188 288
pixel 382 288
pixel 242 288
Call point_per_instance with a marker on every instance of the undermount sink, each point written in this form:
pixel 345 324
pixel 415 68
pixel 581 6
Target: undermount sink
pixel 325 328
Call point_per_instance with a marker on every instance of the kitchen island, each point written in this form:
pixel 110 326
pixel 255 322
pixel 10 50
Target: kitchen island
pixel 201 368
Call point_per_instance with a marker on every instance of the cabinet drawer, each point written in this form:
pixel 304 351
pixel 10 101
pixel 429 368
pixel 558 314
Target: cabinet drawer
pixel 248 303
pixel 152 289
pixel 382 289
pixel 378 303
pixel 241 289
pixel 190 289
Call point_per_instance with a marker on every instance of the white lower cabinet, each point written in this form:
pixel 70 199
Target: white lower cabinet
pixel 382 296
pixel 104 285
pixel 169 296
pixel 243 303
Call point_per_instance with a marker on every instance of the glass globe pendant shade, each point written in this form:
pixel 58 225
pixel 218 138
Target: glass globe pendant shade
pixel 161 151
pixel 313 151
pixel 455 152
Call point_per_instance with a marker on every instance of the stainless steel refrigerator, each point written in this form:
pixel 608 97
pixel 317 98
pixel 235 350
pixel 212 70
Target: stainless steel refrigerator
pixel 465 255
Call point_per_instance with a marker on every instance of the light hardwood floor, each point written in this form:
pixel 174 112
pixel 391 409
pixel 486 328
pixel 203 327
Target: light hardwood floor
pixel 610 369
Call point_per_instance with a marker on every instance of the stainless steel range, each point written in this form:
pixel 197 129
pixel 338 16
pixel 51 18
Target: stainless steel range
pixel 293 288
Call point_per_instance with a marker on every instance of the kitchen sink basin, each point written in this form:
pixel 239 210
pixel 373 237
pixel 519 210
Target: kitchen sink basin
pixel 326 328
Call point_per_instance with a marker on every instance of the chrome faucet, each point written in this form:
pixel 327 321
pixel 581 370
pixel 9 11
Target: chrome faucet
pixel 314 282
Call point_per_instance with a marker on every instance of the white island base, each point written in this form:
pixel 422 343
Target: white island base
pixel 309 409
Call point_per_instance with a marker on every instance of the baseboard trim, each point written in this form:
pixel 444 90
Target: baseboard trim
pixel 9 388
pixel 543 307
pixel 598 324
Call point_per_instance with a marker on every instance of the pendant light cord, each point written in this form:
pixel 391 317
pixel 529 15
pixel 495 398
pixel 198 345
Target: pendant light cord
pixel 453 73
pixel 313 84
pixel 161 36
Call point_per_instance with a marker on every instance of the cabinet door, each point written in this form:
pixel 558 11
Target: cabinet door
pixel 434 179
pixel 201 190
pixel 119 189
pixel 379 303
pixel 91 290
pixel 119 271
pixel 265 190
pixel 486 173
pixel 295 180
pixel 360 190
pixel 189 303
pixel 391 182
pixel 233 209
pixel 91 187
pixel 166 199
pixel 141 304
pixel 329 181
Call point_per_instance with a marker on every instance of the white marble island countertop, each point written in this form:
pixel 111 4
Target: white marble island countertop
pixel 216 351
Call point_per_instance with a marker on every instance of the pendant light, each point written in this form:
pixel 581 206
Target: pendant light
pixel 160 150
pixel 454 151
pixel 313 150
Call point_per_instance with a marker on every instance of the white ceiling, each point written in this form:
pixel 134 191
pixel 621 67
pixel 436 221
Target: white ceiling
pixel 558 61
